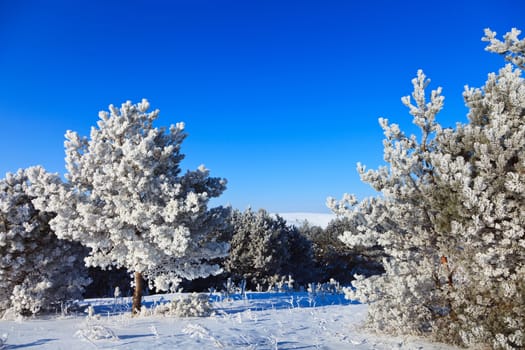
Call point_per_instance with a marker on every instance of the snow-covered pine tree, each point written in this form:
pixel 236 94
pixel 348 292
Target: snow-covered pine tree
pixel 334 259
pixel 264 248
pixel 451 217
pixel 301 263
pixel 258 247
pixel 38 271
pixel 127 200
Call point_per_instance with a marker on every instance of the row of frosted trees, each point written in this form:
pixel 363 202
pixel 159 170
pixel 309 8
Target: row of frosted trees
pixel 448 224
pixel 126 207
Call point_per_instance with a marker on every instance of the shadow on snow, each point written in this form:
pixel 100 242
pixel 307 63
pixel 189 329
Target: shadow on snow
pixel 28 345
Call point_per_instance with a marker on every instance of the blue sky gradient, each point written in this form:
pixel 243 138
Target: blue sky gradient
pixel 279 97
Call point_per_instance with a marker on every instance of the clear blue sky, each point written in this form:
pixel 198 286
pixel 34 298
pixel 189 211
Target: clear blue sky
pixel 280 97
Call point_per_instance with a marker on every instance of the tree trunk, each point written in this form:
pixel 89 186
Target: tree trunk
pixel 137 293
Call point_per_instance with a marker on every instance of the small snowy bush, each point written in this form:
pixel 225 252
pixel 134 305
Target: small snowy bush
pixel 38 271
pixel 191 305
pixel 94 332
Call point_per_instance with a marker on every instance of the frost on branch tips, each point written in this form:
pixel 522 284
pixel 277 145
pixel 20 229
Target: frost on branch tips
pixel 451 216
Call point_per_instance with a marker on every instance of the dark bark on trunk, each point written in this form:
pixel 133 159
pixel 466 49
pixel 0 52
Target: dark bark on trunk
pixel 137 293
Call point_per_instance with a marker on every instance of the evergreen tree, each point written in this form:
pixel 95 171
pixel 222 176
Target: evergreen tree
pixel 126 199
pixel 38 271
pixel 451 216
pixel 301 264
pixel 334 259
pixel 257 247
pixel 264 248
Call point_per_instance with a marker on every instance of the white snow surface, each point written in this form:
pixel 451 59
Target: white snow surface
pixel 315 219
pixel 255 321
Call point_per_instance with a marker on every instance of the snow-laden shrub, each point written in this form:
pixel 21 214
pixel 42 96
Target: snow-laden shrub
pixel 93 332
pixel 188 305
pixel 38 271
pixel 451 218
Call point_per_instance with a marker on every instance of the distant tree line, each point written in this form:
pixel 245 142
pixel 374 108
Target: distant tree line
pixel 265 249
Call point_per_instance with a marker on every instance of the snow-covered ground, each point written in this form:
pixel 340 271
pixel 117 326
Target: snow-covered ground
pixel 316 219
pixel 258 321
